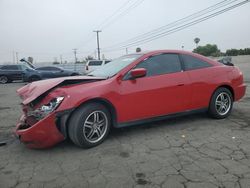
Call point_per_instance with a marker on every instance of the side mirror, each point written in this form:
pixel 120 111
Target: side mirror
pixel 137 73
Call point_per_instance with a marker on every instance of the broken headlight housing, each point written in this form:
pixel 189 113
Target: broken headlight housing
pixel 45 109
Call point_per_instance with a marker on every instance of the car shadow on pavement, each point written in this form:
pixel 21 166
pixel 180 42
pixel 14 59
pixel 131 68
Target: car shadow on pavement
pixel 187 122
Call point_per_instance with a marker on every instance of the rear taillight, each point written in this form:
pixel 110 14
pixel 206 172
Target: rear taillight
pixel 87 67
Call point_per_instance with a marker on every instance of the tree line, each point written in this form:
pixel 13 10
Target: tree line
pixel 212 50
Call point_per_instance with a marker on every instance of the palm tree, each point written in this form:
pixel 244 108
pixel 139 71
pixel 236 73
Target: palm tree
pixel 196 41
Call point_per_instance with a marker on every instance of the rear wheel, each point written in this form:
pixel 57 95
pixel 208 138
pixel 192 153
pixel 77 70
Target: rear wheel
pixel 89 125
pixel 221 103
pixel 4 79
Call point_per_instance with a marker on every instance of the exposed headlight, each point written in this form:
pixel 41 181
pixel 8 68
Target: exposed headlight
pixel 45 109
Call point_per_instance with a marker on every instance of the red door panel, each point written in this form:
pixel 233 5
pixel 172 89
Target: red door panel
pixel 202 87
pixel 153 96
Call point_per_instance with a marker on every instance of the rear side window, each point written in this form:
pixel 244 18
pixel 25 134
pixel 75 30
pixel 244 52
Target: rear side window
pixel 161 64
pixel 191 63
pixel 95 63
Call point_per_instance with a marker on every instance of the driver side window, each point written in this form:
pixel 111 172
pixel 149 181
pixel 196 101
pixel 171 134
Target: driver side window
pixel 161 64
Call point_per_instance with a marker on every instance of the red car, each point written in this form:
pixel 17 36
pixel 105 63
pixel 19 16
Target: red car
pixel 132 89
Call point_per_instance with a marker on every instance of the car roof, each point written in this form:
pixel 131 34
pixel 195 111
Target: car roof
pixel 155 52
pixel 162 51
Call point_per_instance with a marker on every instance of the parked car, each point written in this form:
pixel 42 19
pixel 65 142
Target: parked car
pixel 92 65
pixel 226 61
pixel 9 73
pixel 133 89
pixel 54 72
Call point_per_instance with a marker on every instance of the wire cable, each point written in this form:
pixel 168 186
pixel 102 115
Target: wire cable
pixel 178 22
pixel 185 26
pixel 126 11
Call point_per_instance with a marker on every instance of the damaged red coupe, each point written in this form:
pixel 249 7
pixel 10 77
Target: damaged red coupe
pixel 133 89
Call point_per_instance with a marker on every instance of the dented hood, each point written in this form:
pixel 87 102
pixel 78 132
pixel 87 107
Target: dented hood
pixel 35 89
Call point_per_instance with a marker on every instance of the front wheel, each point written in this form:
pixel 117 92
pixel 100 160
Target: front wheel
pixel 221 103
pixel 89 125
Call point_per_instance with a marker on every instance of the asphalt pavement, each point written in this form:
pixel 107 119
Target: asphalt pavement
pixel 191 151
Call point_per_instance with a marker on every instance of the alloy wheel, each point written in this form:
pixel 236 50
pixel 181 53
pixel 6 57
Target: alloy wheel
pixel 223 103
pixel 95 126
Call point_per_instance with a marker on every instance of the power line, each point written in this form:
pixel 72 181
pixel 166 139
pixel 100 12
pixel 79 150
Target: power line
pixel 134 5
pixel 186 25
pixel 199 13
pixel 178 22
pixel 115 13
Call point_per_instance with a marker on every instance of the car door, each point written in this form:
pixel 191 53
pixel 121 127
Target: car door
pixel 57 72
pixel 200 73
pixel 164 90
pixel 14 72
pixel 46 72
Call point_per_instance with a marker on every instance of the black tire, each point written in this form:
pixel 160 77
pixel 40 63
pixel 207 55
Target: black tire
pixel 34 78
pixel 77 130
pixel 4 79
pixel 215 107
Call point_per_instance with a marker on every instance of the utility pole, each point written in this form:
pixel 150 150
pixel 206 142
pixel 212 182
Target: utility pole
pixel 17 57
pixel 14 59
pixel 61 58
pixel 98 45
pixel 74 50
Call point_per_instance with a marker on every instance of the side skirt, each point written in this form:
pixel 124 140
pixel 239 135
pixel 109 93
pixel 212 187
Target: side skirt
pixel 159 118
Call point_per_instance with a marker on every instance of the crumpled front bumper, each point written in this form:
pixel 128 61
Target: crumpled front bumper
pixel 42 134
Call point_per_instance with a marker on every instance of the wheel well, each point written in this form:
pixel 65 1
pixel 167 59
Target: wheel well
pixel 107 104
pixel 228 87
pixel 63 122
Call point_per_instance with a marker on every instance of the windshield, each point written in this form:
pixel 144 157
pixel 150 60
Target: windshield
pixel 24 67
pixel 112 68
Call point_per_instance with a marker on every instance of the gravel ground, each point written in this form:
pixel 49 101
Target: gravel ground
pixel 191 151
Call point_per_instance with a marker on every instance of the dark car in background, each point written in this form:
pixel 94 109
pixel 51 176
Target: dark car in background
pixel 9 73
pixel 54 72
